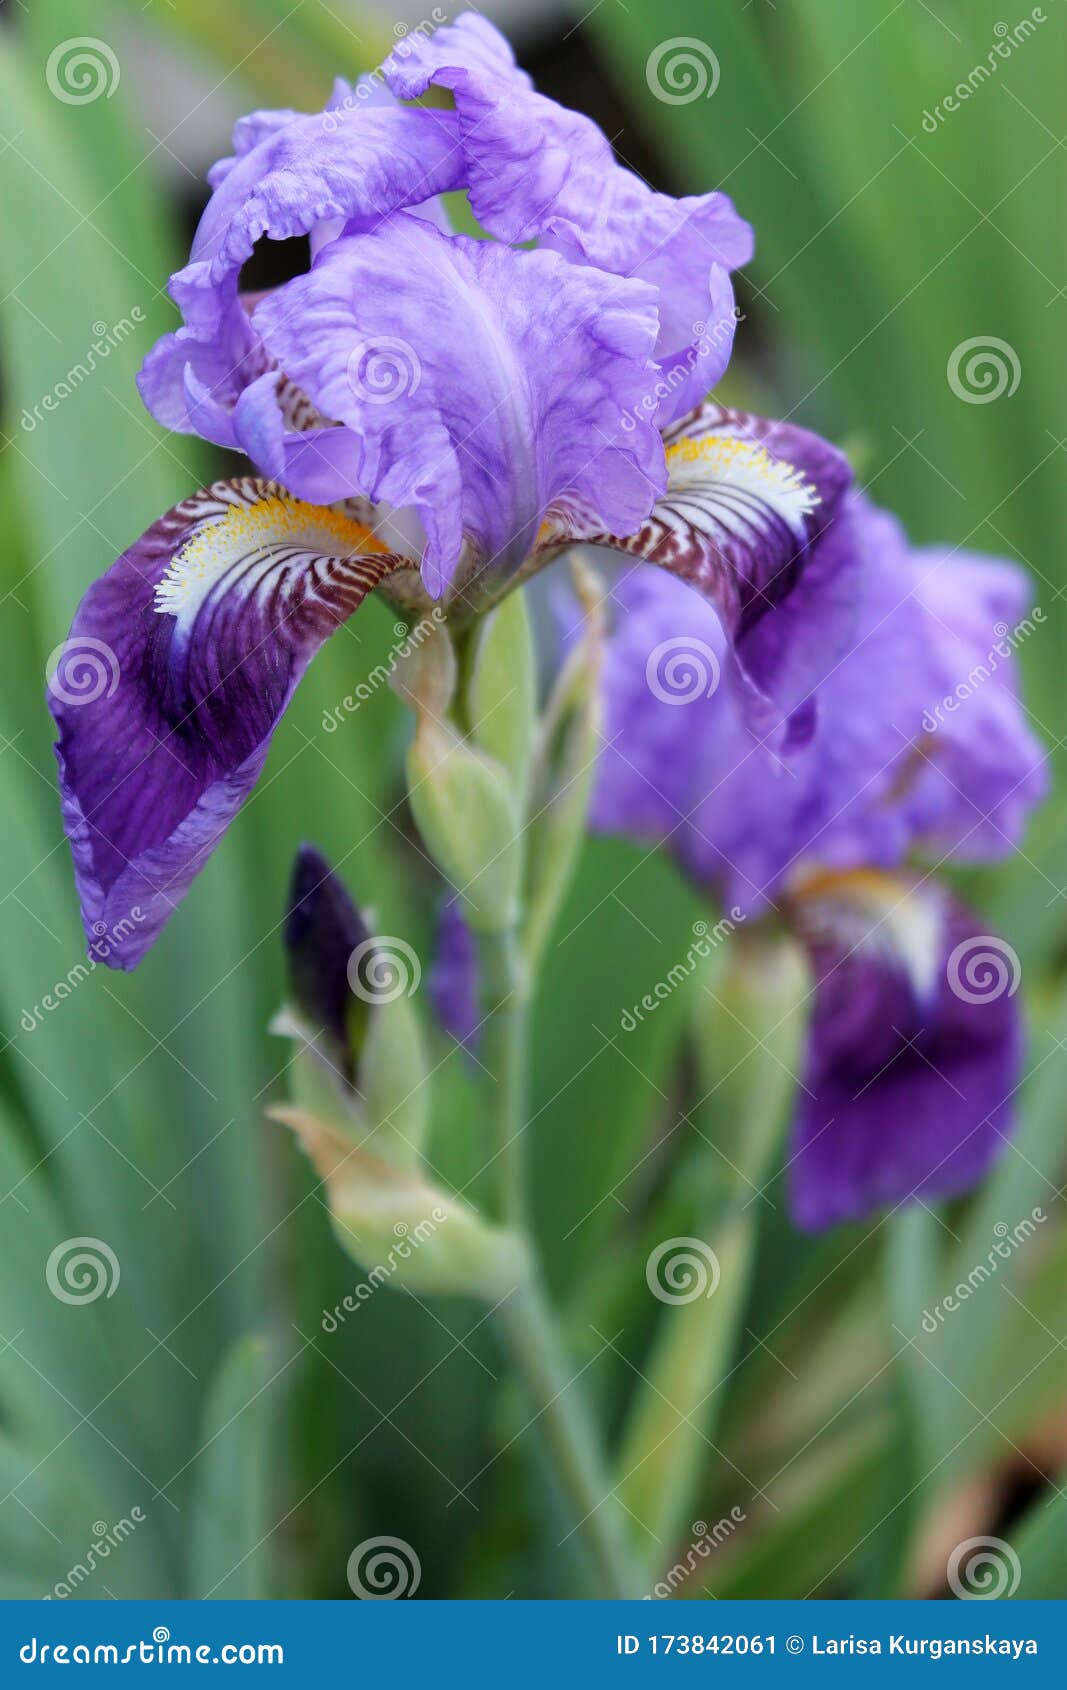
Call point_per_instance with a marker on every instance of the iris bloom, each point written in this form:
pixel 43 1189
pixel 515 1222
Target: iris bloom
pixel 429 416
pixel 918 747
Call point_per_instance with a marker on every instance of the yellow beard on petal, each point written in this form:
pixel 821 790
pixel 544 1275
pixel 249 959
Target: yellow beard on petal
pixel 871 909
pixel 740 464
pixel 250 529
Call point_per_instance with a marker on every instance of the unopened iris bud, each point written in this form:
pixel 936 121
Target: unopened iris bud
pixel 425 675
pixel 503 689
pixel 401 1228
pixel 465 807
pixel 323 929
pixel 361 1066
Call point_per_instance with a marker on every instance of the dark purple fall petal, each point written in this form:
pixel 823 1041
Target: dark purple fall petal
pixel 746 499
pixel 914 1049
pixel 205 626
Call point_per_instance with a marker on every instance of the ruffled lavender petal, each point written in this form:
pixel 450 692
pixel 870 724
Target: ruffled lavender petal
pixel 180 661
pixel 538 171
pixel 914 1050
pixel 975 769
pixel 358 162
pixel 866 647
pixel 479 384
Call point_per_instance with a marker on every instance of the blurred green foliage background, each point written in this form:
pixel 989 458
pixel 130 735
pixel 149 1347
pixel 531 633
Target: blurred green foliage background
pixel 204 1392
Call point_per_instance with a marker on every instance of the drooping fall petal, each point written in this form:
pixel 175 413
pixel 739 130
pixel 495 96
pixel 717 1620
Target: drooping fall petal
pixel 914 1050
pixel 200 633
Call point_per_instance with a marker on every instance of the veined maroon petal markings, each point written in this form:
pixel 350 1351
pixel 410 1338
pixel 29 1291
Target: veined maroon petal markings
pixel 212 618
pixel 745 498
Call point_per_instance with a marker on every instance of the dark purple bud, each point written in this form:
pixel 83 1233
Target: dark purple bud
pixel 323 930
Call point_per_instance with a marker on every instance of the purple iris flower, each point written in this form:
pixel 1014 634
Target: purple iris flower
pixel 918 745
pixel 438 416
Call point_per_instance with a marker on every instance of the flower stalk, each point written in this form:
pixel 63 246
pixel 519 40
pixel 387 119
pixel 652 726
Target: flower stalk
pixel 499 704
pixel 747 1034
pixel 525 1321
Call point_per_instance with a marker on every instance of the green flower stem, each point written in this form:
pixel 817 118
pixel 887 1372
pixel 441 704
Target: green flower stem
pixel 530 1332
pixel 504 1042
pixel 527 1325
pixel 668 1442
pixel 747 1033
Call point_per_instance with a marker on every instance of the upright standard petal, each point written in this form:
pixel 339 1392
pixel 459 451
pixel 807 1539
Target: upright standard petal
pixel 292 175
pixel 537 171
pixel 481 385
pixel 198 636
pixel 914 1049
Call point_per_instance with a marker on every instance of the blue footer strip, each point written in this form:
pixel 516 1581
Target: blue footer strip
pixel 537 1643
